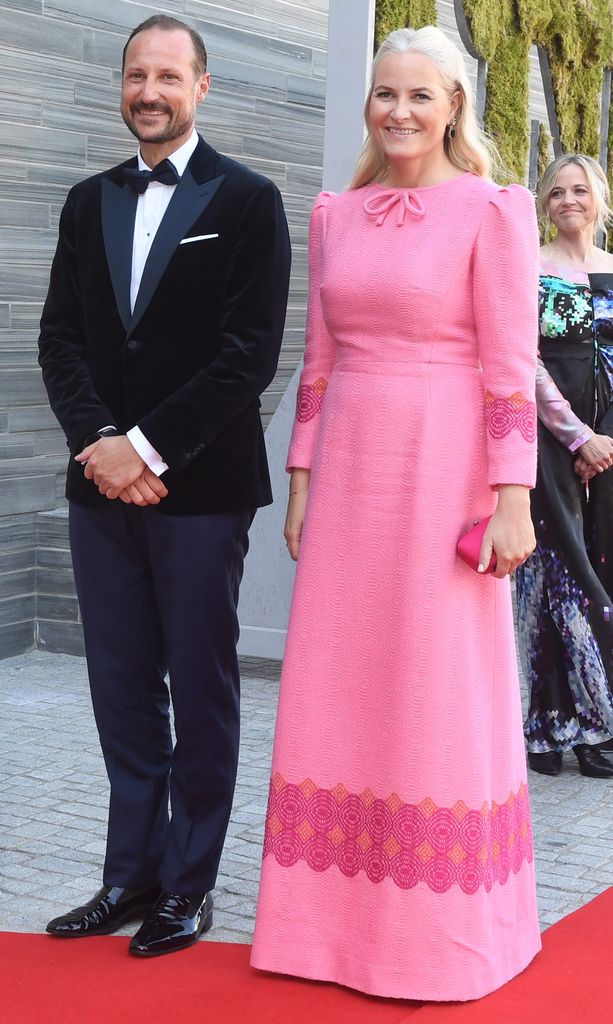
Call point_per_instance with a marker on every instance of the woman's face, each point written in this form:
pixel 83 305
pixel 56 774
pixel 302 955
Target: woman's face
pixel 409 108
pixel 571 206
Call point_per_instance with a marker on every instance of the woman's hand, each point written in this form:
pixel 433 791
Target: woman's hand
pixel 509 534
pixel 597 453
pixel 296 508
pixel 584 470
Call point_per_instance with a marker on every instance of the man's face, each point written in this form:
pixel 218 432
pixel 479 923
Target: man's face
pixel 160 89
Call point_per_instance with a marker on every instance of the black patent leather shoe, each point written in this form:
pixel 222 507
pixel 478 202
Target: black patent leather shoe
pixel 592 763
pixel 547 763
pixel 175 922
pixel 107 911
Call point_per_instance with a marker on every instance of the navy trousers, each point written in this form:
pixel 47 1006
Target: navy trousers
pixel 158 594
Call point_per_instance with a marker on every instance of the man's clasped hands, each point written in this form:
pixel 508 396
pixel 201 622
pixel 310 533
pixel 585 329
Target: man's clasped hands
pixel 118 471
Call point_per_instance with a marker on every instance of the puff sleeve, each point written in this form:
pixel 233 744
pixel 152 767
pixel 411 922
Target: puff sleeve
pixel 319 352
pixel 505 302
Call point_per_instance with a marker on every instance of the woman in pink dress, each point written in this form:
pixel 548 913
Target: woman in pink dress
pixel 398 850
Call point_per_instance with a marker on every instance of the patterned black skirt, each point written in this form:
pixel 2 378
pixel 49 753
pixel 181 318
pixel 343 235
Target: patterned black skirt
pixel 565 589
pixel 565 606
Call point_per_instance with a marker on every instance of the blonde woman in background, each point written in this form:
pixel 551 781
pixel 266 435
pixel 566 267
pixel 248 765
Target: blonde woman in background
pixel 565 590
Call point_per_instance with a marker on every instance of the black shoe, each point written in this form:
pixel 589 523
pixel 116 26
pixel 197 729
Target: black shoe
pixel 105 913
pixel 174 923
pixel 548 763
pixel 592 763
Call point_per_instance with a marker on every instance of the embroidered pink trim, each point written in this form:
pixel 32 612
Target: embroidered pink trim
pixel 310 400
pixel 409 843
pixel 504 414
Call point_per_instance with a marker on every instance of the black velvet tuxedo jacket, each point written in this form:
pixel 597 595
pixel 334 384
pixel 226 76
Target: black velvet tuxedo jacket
pixel 189 364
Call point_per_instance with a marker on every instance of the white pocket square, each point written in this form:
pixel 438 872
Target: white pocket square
pixel 196 238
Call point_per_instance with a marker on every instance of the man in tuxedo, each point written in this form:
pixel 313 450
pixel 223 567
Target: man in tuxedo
pixel 161 329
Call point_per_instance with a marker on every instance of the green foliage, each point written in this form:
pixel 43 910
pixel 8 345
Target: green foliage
pixel 579 41
pixel 610 168
pixel 578 37
pixel 393 14
pixel 544 156
pixel 535 16
pixel 489 22
pixel 506 109
pixel 544 149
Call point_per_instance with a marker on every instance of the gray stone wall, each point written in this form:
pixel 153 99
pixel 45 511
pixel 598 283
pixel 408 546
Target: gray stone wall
pixel 59 123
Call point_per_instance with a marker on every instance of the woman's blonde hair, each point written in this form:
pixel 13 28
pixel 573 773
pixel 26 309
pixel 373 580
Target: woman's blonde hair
pixel 469 149
pixel 597 184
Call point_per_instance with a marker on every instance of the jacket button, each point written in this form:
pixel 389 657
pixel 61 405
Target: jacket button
pixel 134 345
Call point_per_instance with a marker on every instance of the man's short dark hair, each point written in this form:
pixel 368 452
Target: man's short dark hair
pixel 168 24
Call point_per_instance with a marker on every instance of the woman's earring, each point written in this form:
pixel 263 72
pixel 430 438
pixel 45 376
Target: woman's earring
pixel 451 127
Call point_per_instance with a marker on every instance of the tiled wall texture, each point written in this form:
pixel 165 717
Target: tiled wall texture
pixel 59 123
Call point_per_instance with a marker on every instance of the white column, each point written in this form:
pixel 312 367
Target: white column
pixel 269 572
pixel 351 33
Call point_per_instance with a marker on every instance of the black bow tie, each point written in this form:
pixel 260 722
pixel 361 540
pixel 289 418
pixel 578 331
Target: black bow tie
pixel 165 172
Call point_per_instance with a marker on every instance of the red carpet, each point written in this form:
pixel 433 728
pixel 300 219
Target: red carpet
pixel 569 982
pixel 95 981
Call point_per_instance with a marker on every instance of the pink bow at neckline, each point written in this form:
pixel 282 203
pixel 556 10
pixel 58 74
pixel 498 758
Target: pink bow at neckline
pixel 382 202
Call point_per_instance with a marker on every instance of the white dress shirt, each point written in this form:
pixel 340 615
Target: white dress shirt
pixel 150 209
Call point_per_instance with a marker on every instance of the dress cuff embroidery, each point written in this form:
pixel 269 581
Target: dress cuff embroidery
pixel 504 414
pixel 310 400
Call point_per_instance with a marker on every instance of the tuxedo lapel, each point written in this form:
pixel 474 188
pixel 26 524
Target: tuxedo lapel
pixel 118 215
pixel 189 201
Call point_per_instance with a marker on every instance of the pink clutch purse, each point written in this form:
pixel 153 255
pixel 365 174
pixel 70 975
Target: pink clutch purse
pixel 469 546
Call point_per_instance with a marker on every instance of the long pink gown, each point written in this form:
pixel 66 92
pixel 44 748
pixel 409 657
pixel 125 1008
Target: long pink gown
pixel 398 847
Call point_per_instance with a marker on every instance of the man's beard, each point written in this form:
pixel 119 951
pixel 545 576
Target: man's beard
pixel 176 125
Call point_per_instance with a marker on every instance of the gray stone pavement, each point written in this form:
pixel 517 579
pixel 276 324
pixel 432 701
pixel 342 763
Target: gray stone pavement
pixel 53 797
